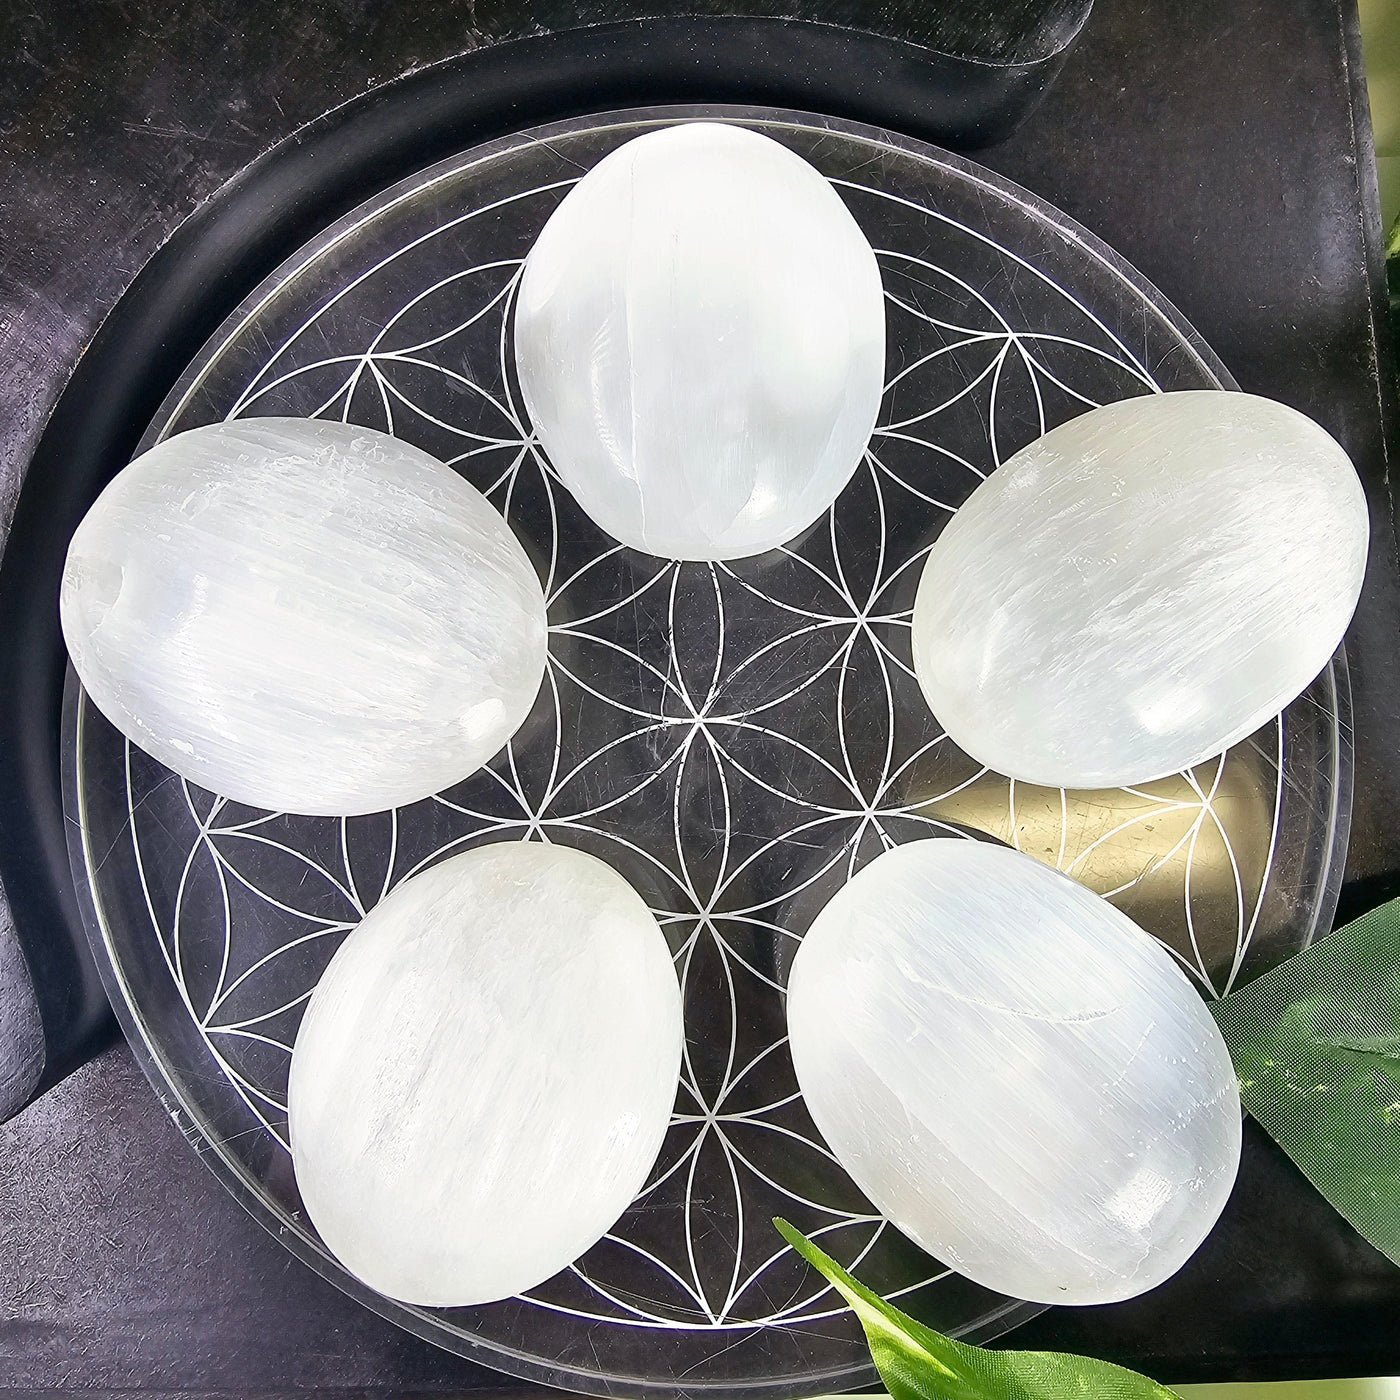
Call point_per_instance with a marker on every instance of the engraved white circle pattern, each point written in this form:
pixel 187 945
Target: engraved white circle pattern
pixel 737 738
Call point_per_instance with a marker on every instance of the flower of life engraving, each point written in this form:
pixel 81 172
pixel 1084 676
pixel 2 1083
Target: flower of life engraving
pixel 736 739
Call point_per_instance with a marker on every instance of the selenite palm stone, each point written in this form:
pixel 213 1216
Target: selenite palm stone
pixel 1017 1075
pixel 304 616
pixel 484 1074
pixel 1140 588
pixel 700 337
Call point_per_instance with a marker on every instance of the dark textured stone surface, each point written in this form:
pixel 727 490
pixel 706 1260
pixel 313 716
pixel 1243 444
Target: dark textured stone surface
pixel 1010 31
pixel 21 1030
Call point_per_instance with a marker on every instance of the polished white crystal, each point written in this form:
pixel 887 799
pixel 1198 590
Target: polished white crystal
pixel 484 1074
pixel 1140 588
pixel 304 616
pixel 1014 1072
pixel 700 336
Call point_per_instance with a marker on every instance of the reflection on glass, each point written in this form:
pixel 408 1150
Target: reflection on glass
pixel 1187 856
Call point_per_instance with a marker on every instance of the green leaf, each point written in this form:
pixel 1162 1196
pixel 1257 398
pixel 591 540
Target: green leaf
pixel 1380 1052
pixel 917 1363
pixel 1316 1045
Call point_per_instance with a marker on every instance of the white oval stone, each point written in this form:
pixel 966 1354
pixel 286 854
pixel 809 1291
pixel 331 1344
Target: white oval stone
pixel 700 336
pixel 304 616
pixel 484 1074
pixel 1141 588
pixel 1017 1075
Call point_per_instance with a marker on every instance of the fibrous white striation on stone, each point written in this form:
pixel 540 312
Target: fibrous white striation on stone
pixel 700 337
pixel 1017 1075
pixel 484 1074
pixel 304 616
pixel 1141 588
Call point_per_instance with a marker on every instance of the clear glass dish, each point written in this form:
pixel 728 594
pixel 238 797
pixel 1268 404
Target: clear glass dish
pixel 736 739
